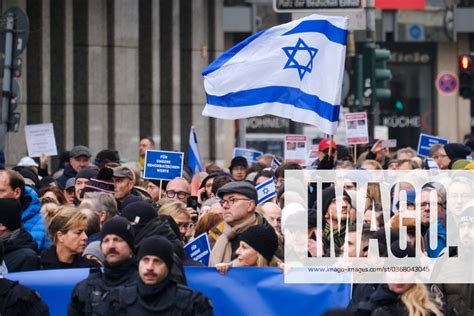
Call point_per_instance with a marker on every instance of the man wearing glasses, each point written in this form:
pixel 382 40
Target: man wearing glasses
pixel 178 189
pixel 439 208
pixel 238 200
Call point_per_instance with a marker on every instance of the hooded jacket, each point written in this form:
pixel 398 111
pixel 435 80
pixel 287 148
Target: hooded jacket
pixel 21 252
pixel 32 219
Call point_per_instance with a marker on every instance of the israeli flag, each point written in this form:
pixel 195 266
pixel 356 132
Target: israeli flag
pixel 194 158
pixel 265 191
pixel 275 164
pixel 293 70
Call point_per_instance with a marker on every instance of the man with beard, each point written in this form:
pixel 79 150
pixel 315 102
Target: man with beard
pixel 92 295
pixel 156 292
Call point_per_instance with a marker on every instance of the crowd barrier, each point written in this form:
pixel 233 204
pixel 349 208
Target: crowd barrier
pixel 242 291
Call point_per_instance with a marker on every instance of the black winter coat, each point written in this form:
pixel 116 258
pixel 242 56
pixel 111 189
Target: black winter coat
pixel 166 299
pixel 18 300
pixel 21 252
pixel 49 260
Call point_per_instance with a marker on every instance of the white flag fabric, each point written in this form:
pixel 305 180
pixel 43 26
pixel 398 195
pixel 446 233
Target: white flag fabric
pixel 293 70
pixel 275 164
pixel 265 191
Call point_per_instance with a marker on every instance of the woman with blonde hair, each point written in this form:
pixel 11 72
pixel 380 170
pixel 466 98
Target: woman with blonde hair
pixel 257 248
pixel 177 210
pixel 67 229
pixel 403 299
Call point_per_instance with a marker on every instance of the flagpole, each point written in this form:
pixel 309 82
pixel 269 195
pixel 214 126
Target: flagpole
pixel 161 188
pixel 330 145
pixel 355 152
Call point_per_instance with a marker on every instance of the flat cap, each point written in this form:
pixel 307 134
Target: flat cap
pixel 240 187
pixel 80 150
pixel 124 172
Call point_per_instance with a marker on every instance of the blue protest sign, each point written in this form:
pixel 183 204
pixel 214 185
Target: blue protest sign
pixel 250 154
pixel 262 289
pixel 163 165
pixel 426 141
pixel 199 249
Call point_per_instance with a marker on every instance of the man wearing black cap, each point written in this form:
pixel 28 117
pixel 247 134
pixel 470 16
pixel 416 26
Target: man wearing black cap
pixel 91 296
pixel 106 156
pixel 16 299
pixel 238 200
pixel 79 158
pixel 20 248
pixel 156 292
pixel 238 168
pixel 82 178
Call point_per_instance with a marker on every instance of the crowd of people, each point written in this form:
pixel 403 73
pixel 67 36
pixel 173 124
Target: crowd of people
pixel 101 214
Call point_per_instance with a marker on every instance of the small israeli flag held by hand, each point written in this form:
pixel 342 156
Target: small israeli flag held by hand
pixel 265 191
pixel 293 70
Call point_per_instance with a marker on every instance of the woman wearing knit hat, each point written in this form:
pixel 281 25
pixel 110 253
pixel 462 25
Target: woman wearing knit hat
pixel 67 229
pixel 258 245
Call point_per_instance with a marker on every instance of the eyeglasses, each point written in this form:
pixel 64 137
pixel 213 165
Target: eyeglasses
pixel 231 201
pixel 180 194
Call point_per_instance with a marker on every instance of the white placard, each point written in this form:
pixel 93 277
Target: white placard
pixel 381 132
pixel 357 130
pixel 295 148
pixel 40 140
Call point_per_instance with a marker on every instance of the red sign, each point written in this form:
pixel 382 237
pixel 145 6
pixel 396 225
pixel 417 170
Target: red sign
pixel 447 83
pixel 400 4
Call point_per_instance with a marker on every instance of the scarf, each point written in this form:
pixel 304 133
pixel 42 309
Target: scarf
pixel 117 274
pixel 150 294
pixel 222 251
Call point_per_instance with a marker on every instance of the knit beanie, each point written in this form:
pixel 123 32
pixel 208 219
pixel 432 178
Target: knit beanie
pixel 328 194
pixel 121 227
pixel 139 214
pixel 103 182
pixel 263 239
pixel 87 173
pixel 238 161
pixel 94 249
pixel 10 213
pixel 157 246
pixel 457 151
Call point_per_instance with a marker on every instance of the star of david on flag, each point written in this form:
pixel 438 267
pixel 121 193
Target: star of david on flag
pixel 265 191
pixel 293 61
pixel 293 70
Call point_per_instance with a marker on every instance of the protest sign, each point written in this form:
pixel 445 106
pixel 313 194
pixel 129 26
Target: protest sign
pixel 357 131
pixel 40 140
pixel 163 165
pixel 199 249
pixel 250 154
pixel 295 148
pixel 426 141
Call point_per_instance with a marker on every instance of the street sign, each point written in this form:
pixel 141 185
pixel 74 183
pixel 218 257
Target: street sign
pixel 426 141
pixel 299 5
pixel 400 4
pixel 447 83
pixel 163 165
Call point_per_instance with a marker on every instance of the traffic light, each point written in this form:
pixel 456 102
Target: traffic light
pixel 376 74
pixel 466 74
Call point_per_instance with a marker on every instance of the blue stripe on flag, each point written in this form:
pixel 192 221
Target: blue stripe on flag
pixel 219 62
pixel 287 95
pixel 265 198
pixel 332 32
